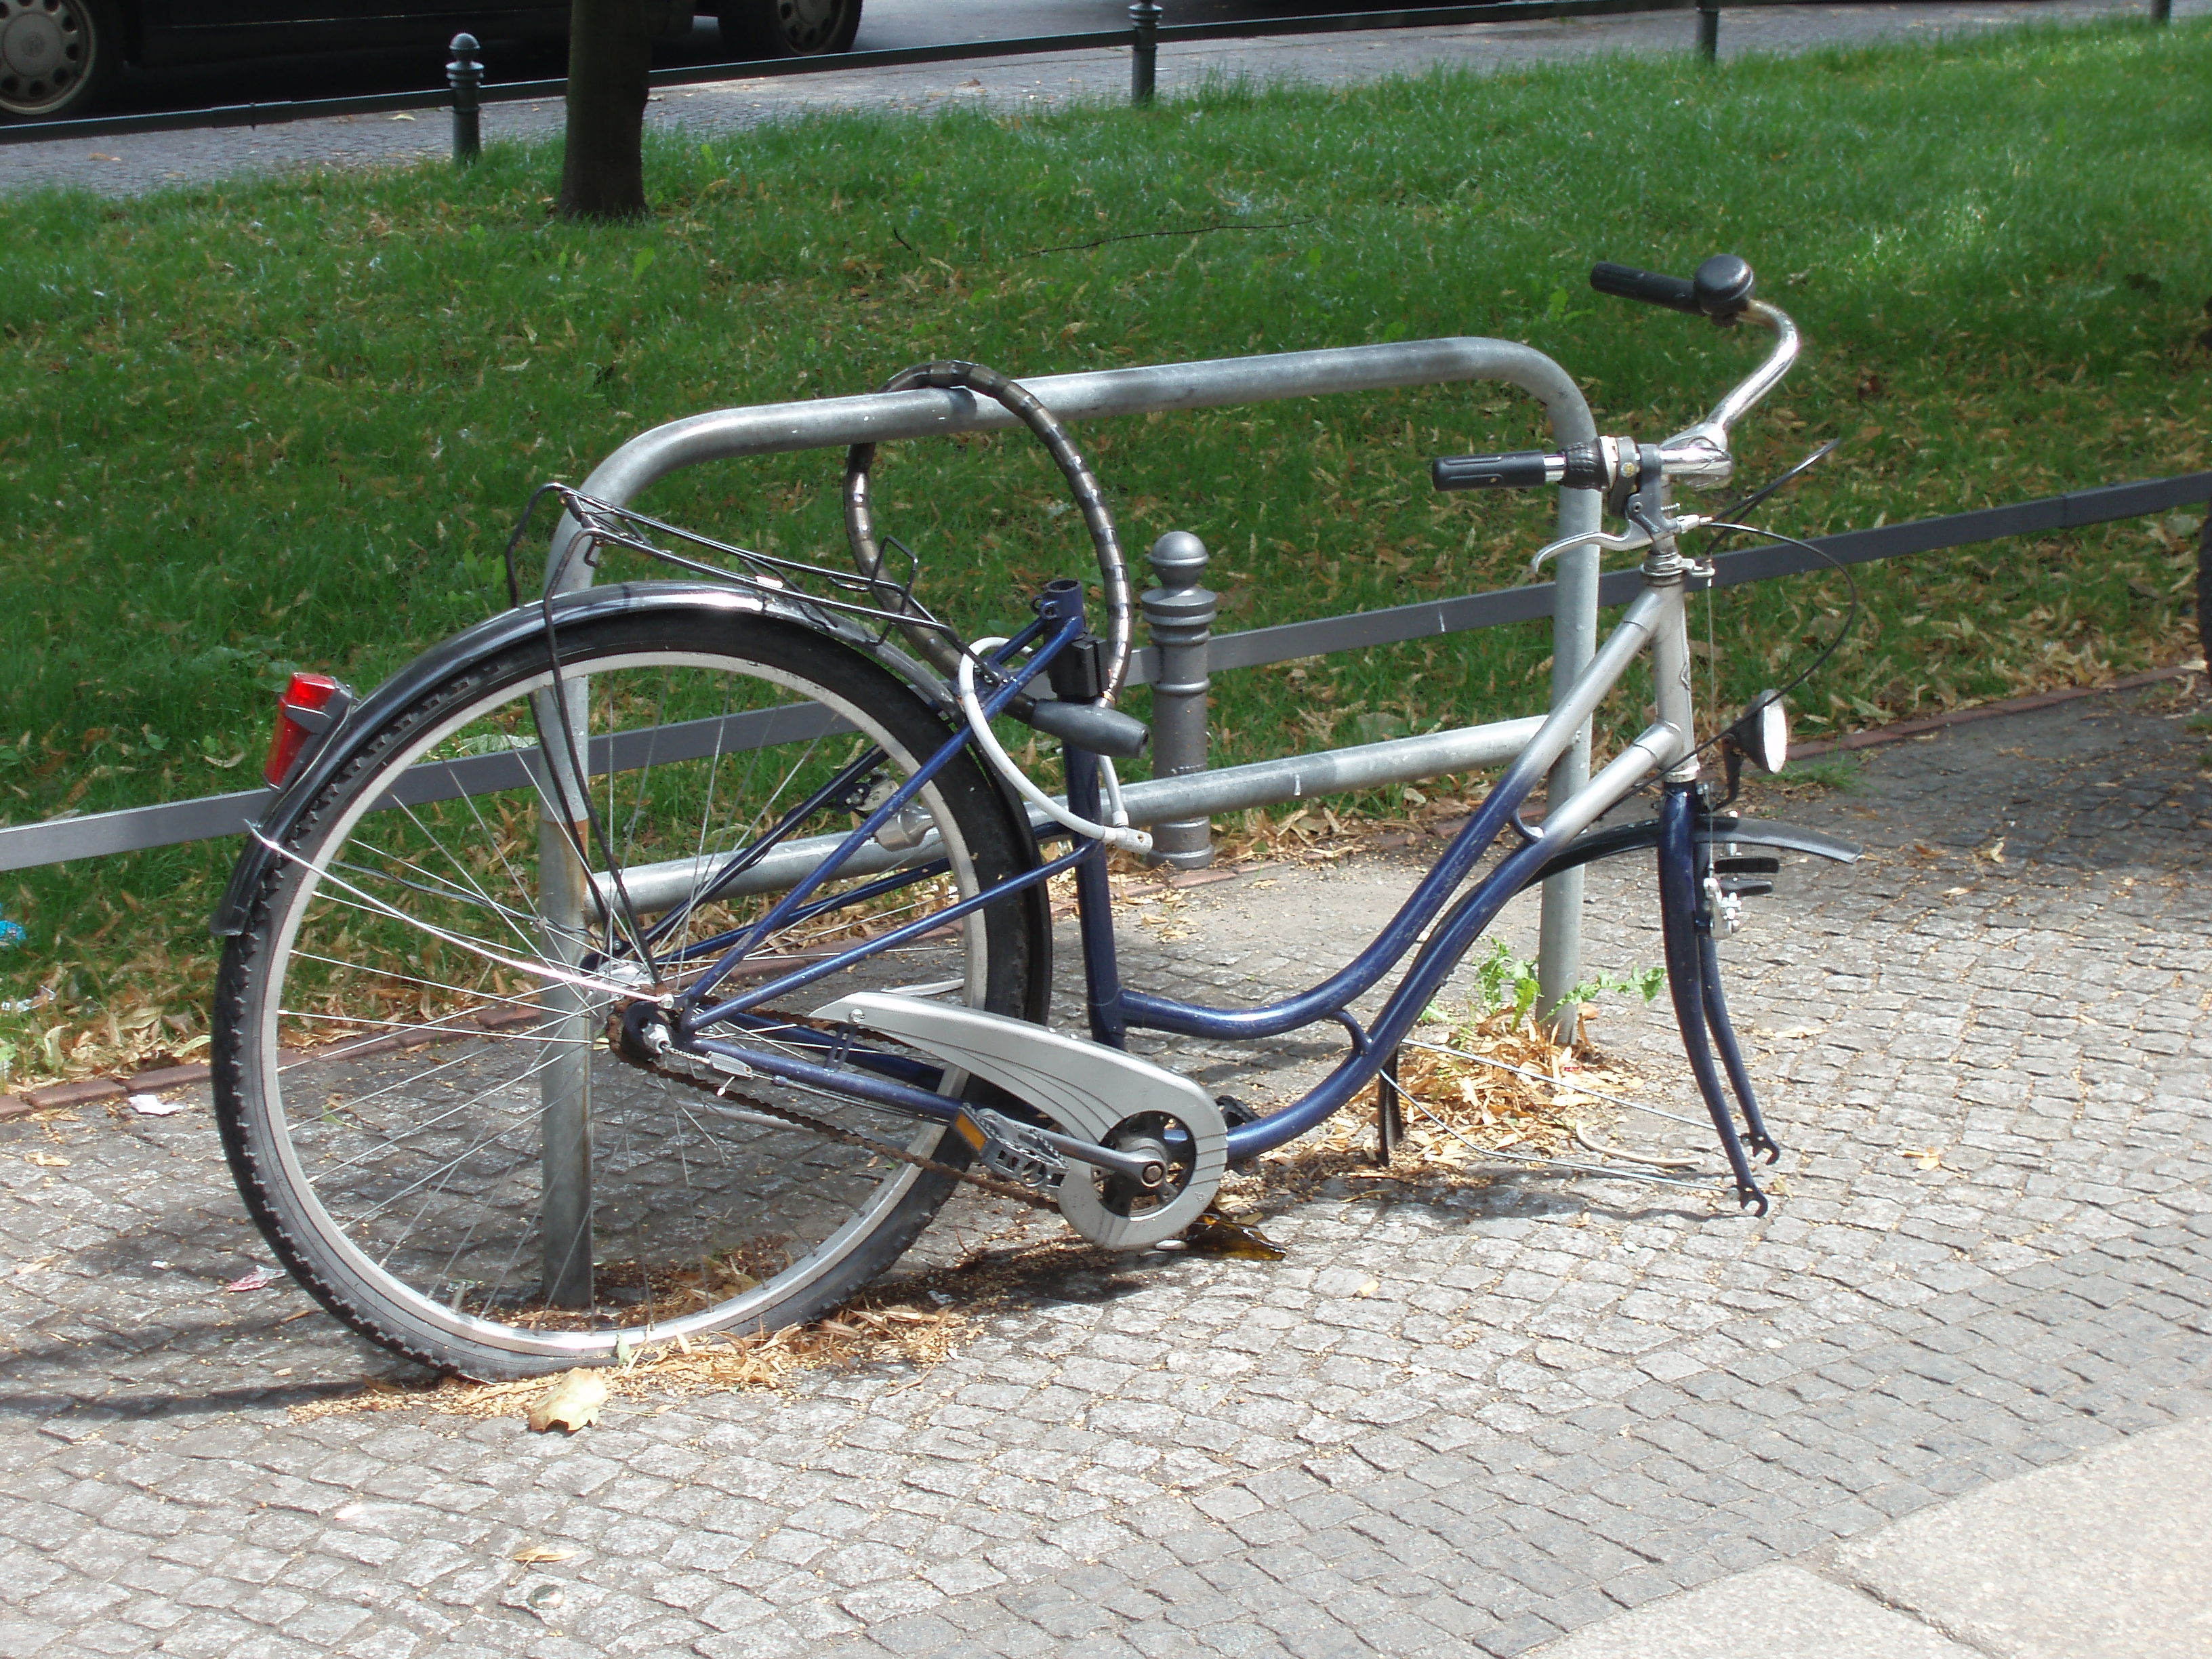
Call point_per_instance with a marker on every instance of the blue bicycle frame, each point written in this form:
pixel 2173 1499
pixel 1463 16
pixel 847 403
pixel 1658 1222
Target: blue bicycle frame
pixel 706 1022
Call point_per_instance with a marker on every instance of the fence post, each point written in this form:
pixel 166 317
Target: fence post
pixel 1144 49
pixel 1179 614
pixel 1574 641
pixel 1709 29
pixel 2205 591
pixel 564 1129
pixel 464 75
pixel 2161 11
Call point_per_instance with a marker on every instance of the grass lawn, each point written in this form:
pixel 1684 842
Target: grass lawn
pixel 288 424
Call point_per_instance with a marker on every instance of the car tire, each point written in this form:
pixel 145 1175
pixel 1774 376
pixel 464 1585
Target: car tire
pixel 58 57
pixel 786 29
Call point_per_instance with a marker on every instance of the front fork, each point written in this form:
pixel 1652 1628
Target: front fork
pixel 1693 979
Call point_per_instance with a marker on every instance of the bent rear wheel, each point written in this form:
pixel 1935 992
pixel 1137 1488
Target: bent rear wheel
pixel 439 1141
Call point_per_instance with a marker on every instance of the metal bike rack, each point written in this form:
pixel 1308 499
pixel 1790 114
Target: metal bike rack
pixel 837 423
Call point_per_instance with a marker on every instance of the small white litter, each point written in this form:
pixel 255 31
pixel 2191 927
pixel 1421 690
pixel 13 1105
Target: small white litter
pixel 154 1106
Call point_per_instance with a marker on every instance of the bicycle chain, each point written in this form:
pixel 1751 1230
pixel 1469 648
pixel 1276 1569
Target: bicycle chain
pixel 831 1132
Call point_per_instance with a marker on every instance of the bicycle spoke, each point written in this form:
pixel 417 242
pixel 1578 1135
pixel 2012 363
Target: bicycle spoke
pixel 418 1149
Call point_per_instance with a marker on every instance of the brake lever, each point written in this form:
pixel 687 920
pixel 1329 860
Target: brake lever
pixel 1605 539
pixel 1607 542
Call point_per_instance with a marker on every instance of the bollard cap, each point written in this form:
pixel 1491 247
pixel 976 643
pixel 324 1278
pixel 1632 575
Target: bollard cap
pixel 1180 559
pixel 463 44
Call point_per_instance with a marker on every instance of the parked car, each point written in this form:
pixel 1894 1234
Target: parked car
pixel 58 57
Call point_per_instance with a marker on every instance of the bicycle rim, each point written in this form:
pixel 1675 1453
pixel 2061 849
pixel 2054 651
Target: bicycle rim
pixel 388 1055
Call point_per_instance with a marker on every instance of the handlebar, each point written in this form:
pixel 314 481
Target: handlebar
pixel 1721 289
pixel 1518 469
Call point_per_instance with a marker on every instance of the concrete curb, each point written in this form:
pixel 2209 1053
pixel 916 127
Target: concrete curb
pixel 2108 1556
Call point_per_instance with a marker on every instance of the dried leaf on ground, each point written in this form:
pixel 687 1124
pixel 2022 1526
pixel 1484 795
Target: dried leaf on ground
pixel 1215 1234
pixel 895 1324
pixel 1460 1114
pixel 573 1403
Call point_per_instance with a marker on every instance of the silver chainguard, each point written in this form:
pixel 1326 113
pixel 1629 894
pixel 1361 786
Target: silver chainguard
pixel 1016 1152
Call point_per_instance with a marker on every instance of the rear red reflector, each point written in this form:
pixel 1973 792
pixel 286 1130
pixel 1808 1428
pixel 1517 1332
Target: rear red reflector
pixel 309 706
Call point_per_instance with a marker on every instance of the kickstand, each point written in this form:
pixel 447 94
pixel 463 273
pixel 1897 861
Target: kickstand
pixel 1389 1112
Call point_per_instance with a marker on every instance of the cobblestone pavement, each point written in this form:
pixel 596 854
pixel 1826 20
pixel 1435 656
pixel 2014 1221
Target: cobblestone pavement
pixel 130 166
pixel 1457 1418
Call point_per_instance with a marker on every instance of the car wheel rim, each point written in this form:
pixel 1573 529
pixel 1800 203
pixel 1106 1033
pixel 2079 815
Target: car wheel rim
pixel 45 50
pixel 809 26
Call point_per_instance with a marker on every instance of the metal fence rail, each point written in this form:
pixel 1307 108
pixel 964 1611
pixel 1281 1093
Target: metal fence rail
pixel 1133 37
pixel 139 829
pixel 1143 38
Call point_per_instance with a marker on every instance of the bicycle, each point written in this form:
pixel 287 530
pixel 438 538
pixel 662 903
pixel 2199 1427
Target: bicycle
pixel 655 960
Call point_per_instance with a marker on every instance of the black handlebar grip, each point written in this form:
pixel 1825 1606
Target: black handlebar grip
pixel 1627 283
pixel 1720 290
pixel 1523 469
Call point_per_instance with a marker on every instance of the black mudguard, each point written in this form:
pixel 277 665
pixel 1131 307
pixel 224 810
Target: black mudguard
pixel 1723 829
pixel 510 628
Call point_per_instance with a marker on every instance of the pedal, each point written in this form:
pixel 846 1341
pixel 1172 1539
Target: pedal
pixel 1140 1114
pixel 1016 1152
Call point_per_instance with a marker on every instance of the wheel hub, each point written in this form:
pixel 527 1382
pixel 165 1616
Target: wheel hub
pixel 1186 1146
pixel 807 23
pixel 41 52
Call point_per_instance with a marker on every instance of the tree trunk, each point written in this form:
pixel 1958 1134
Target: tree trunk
pixel 603 162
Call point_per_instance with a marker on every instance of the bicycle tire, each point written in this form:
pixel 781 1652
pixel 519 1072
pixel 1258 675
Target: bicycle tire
pixel 389 1141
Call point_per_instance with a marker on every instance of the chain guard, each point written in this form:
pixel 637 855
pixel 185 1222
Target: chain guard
pixel 1090 1091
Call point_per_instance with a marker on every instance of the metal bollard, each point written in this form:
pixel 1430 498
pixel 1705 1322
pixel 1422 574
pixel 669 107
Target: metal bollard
pixel 464 75
pixel 1179 614
pixel 1144 49
pixel 1709 29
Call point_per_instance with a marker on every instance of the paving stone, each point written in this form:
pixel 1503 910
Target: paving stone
pixel 1562 1399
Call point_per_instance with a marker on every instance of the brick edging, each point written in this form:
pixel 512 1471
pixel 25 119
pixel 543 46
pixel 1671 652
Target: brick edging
pixel 91 1090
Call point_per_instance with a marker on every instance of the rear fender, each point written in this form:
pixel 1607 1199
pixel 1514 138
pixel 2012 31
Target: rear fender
pixel 504 632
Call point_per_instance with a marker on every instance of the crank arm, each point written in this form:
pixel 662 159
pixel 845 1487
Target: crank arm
pixel 1147 1172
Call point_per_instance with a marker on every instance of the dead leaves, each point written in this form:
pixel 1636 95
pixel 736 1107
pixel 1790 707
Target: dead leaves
pixel 879 1328
pixel 1215 1234
pixel 1461 1114
pixel 575 1402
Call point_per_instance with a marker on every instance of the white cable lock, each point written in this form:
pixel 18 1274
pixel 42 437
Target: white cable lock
pixel 1117 834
